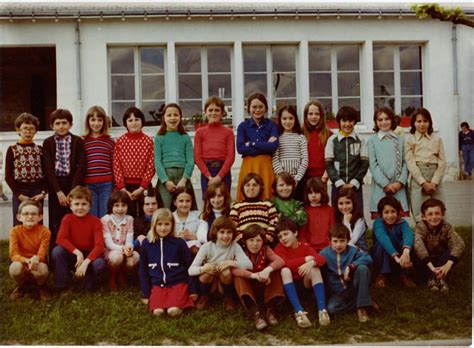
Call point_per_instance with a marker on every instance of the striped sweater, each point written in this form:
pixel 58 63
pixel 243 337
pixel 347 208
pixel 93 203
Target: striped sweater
pixel 291 155
pixel 262 213
pixel 99 156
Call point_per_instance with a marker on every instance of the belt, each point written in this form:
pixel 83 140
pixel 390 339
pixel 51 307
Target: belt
pixel 214 164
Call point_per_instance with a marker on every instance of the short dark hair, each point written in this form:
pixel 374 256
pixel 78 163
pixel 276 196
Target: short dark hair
pixel 339 231
pixel 253 231
pixel 136 112
pixel 217 102
pixel 60 114
pixel 260 97
pixel 432 202
pixel 259 181
pixel 465 124
pixel 292 111
pixel 391 201
pixel 426 114
pixel 387 111
pixel 315 185
pixel 28 119
pixel 287 178
pixel 347 113
pixel 117 196
pixel 163 129
pixel 220 223
pixel 285 225
pixel 179 190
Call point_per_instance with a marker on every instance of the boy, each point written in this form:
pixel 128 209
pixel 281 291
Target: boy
pixel 437 245
pixel 346 274
pixel 302 262
pixel 24 165
pixel 29 244
pixel 80 243
pixel 64 165
pixel 346 155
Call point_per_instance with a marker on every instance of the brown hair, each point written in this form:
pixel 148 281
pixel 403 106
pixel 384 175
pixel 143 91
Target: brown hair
pixel 218 102
pixel 210 193
pixel 259 181
pixel 136 112
pixel 287 178
pixel 260 97
pixel 390 201
pixel 27 119
pixel 286 225
pixel 339 231
pixel 432 202
pixel 253 231
pixel 162 130
pixel 321 127
pixel 426 114
pixel 292 111
pixel 30 202
pixel 349 194
pixel 387 111
pixel 99 112
pixel 80 192
pixel 347 113
pixel 222 222
pixel 315 185
pixel 117 196
pixel 60 114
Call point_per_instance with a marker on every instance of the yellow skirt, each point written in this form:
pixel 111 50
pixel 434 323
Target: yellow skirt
pixel 261 165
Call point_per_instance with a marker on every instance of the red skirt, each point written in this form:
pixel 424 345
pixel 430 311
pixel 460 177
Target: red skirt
pixel 174 296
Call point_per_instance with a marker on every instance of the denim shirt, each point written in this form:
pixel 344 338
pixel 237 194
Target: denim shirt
pixel 257 136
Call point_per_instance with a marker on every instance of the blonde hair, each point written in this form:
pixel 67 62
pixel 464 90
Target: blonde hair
pixel 80 192
pixel 160 214
pixel 100 112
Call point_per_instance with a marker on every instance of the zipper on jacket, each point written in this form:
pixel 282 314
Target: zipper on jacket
pixel 339 271
pixel 161 260
pixel 347 160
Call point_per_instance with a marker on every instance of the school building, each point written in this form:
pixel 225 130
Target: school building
pixel 75 55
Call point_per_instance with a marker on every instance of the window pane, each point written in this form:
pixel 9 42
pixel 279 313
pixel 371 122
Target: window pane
pixel 283 102
pixel 255 58
pixel 190 87
pixel 284 85
pixel 218 59
pixel 383 57
pixel 150 109
pixel 354 102
pixel 123 88
pixel 319 58
pixel 189 59
pixel 255 83
pixel 348 84
pixel 220 85
pixel 152 60
pixel 384 101
pixel 118 109
pixel 190 107
pixel 320 85
pixel 411 104
pixel 383 83
pixel 121 60
pixel 348 58
pixel 410 83
pixel 327 104
pixel 153 87
pixel 410 57
pixel 283 58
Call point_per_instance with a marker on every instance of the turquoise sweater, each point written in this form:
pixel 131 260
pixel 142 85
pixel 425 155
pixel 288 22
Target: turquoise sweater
pixel 173 150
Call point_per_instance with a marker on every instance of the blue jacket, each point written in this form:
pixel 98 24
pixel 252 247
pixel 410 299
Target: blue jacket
pixel 337 263
pixel 257 136
pixel 395 239
pixel 164 263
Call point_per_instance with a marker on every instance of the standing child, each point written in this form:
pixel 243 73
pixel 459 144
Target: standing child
pixel 99 150
pixel 288 207
pixel 257 140
pixel 260 289
pixel 346 155
pixel 118 237
pixel 24 165
pixel 466 148
pixel 347 275
pixel 320 215
pixel 174 159
pixel 301 263
pixel 424 152
pixel 393 242
pixel 292 153
pixel 214 146
pixel 253 209
pixel 216 203
pixel 133 159
pixel 215 260
pixel 142 224
pixel 29 243
pixel 64 166
pixel 437 245
pixel 387 161
pixel 164 261
pixel 80 243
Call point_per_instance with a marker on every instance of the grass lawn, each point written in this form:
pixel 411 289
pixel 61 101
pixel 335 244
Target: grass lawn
pixel 120 318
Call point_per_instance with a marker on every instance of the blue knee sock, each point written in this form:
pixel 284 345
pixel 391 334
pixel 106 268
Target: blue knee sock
pixel 320 295
pixel 290 292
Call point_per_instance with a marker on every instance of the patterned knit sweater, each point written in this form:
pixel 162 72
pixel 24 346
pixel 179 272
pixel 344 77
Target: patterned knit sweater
pixel 262 213
pixel 291 155
pixel 99 154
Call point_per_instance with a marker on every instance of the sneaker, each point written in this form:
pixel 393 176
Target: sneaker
pixel 324 319
pixel 271 317
pixel 407 281
pixel 201 302
pixel 16 294
pixel 362 315
pixel 375 306
pixel 380 281
pixel 260 323
pixel 443 286
pixel 302 319
pixel 432 284
pixel 229 304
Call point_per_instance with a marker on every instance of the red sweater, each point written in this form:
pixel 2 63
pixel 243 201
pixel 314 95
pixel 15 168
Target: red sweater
pixel 83 233
pixel 133 160
pixel 295 257
pixel 316 230
pixel 316 163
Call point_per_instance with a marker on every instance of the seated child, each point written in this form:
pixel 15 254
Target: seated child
pixel 260 290
pixel 437 245
pixel 215 260
pixel 346 274
pixel 29 243
pixel 164 261
pixel 393 242
pixel 141 224
pixel 289 208
pixel 302 262
pixel 80 243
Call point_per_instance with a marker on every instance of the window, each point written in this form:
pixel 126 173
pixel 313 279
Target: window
pixel 137 78
pixel 271 69
pixel 398 77
pixel 334 75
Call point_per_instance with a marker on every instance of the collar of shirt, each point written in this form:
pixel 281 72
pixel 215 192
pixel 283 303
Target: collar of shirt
pixel 251 122
pixel 340 136
pixel 67 137
pixel 383 134
pixel 418 136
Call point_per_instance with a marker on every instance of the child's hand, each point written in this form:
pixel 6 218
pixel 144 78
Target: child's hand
pixel 170 186
pixel 22 197
pixel 269 237
pixel 137 193
pixel 145 301
pixel 405 261
pixel 347 274
pixel 209 268
pixel 325 177
pixel 238 237
pixel 223 265
pixel 305 268
pixel 429 188
pixel 62 199
pixel 187 235
pixel 182 182
pixel 215 180
pixel 348 186
pixel 141 238
pixel 263 276
pixel 272 139
pixel 127 192
pixel 347 218
pixel 82 269
pixel 127 250
pixel 442 271
pixel 79 258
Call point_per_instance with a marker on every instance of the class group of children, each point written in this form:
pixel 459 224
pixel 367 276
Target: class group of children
pixel 283 233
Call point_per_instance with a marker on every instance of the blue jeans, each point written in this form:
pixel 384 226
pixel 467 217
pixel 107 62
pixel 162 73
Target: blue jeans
pixel 468 156
pixel 100 196
pixel 214 170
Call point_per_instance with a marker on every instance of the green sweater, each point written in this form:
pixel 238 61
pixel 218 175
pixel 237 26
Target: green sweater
pixel 291 209
pixel 173 150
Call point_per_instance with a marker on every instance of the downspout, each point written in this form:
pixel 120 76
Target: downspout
pixel 78 67
pixel 457 117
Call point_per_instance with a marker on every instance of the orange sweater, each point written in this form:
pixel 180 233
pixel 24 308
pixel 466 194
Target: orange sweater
pixel 26 243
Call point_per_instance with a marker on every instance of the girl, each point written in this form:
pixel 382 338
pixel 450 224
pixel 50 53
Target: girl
pixel 216 203
pixel 393 242
pixel 292 153
pixel 215 260
pixel 133 172
pixel 387 161
pixel 174 160
pixel 253 209
pixel 288 207
pixel 214 149
pixel 164 262
pixel 347 213
pixel 466 148
pixel 424 152
pixel 118 238
pixel 320 215
pixel 257 140
pixel 99 150
pixel 141 225
pixel 263 282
